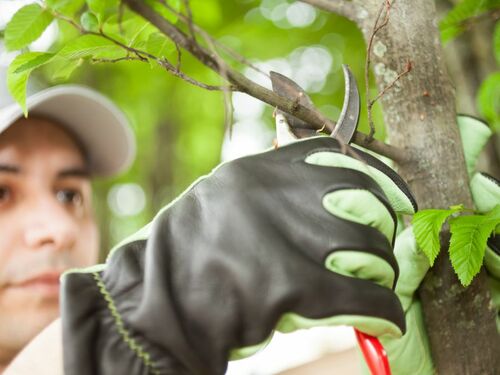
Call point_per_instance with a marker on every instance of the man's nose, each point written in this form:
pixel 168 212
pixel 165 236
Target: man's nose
pixel 50 225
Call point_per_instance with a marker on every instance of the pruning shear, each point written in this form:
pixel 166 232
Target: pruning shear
pixel 288 129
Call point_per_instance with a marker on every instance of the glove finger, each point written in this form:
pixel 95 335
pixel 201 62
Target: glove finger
pixel 485 191
pixel 361 206
pixel 474 134
pixel 378 326
pixel 359 303
pixel 390 182
pixel 352 205
pixel 326 229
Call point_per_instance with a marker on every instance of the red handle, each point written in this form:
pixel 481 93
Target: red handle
pixel 374 353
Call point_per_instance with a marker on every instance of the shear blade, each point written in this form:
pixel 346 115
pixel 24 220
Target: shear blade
pixel 349 117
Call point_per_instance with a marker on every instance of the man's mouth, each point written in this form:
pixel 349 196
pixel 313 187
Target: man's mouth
pixel 45 284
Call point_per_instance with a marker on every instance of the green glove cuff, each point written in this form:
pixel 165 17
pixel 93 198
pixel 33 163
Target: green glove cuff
pixel 474 134
pixel 485 192
pixel 399 201
pixel 410 354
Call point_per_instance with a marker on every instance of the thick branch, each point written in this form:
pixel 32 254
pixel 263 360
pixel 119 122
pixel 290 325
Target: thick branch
pixel 312 117
pixel 420 117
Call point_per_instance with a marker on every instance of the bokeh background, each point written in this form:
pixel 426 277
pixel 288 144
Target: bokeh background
pixel 181 131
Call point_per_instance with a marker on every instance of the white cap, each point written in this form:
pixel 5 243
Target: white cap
pixel 100 127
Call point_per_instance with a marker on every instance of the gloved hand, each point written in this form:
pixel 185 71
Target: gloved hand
pixel 411 354
pixel 291 238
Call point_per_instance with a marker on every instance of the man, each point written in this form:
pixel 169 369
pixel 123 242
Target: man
pixel 46 216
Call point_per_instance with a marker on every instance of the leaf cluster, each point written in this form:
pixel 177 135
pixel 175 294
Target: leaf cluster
pixel 469 236
pixel 105 33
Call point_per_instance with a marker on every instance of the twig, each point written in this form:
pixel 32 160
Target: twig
pixel 228 102
pixel 144 56
pixel 408 68
pixel 176 72
pixel 376 28
pixel 179 56
pixel 206 36
pixel 312 117
pixel 189 16
pixel 344 8
pixel 101 60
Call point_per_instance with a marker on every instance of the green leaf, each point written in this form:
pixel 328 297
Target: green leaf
pixel 488 100
pixel 103 8
pixel 89 21
pixel 19 72
pixel 496 42
pixel 26 25
pixel 469 235
pixel 65 7
pixel 159 45
pixel 91 46
pixel 426 227
pixel 163 10
pixel 37 61
pixel 454 22
pixel 60 69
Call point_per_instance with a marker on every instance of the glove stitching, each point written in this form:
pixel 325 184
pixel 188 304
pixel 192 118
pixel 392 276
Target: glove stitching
pixel 133 345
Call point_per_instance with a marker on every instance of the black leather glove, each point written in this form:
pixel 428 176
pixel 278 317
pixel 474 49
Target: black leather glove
pixel 241 252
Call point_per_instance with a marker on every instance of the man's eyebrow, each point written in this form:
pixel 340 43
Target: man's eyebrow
pixel 74 172
pixel 9 168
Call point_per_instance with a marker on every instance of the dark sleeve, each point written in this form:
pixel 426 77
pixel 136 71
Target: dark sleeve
pixel 100 306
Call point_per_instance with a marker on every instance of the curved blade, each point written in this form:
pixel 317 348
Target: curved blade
pixel 284 86
pixel 349 117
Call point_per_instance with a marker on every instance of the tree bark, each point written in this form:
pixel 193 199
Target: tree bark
pixel 420 117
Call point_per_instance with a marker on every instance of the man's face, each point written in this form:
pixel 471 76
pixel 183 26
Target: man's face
pixel 46 226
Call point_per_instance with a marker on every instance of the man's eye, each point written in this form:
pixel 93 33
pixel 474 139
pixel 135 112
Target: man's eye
pixel 69 196
pixel 5 194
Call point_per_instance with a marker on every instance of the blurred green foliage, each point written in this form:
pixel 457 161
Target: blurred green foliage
pixel 180 127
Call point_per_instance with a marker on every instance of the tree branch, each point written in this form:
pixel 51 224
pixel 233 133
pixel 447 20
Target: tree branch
pixel 312 117
pixel 345 8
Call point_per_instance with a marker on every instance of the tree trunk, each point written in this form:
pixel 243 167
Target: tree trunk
pixel 420 114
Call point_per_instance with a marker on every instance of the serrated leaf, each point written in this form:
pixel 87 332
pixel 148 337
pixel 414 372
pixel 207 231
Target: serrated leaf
pixel 89 21
pixel 65 7
pixel 426 227
pixel 91 46
pixel 19 71
pixel 27 24
pixel 469 235
pixel 488 100
pixel 496 42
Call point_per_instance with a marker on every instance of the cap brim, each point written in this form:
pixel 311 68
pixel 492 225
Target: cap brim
pixel 100 127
